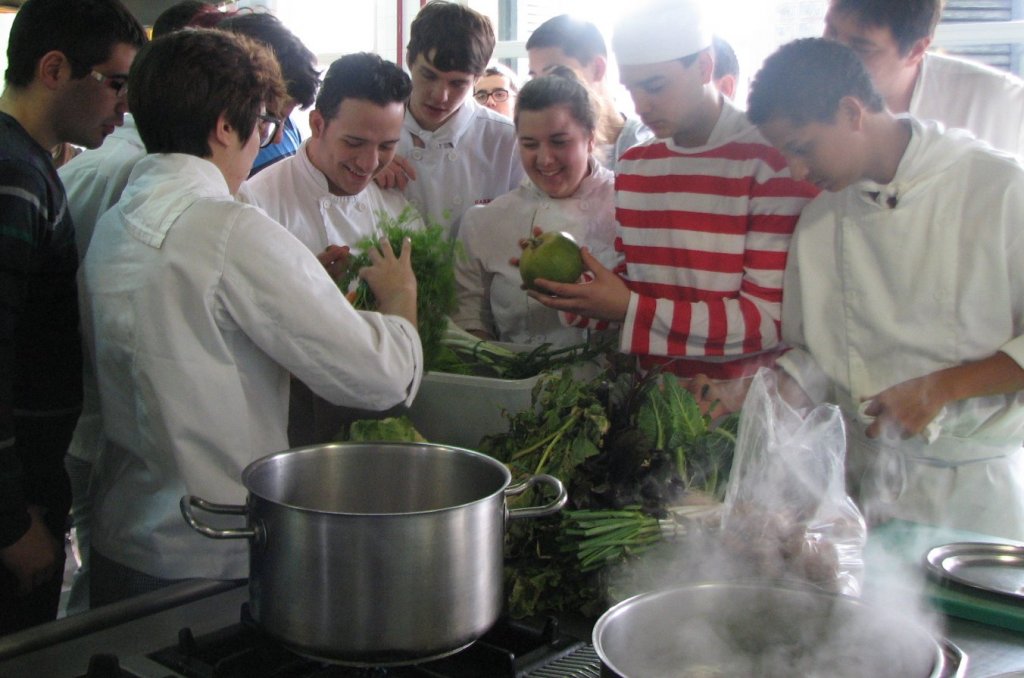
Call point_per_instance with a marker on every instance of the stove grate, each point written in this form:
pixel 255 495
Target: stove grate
pixel 511 649
pixel 580 663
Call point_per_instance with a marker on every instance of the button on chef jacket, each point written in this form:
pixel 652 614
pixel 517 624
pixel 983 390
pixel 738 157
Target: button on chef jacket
pixel 888 283
pixel 470 160
pixel 199 307
pixel 295 193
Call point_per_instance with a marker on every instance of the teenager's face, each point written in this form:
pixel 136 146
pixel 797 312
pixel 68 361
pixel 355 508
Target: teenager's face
pixel 353 147
pixel 877 49
pixel 437 95
pixel 824 154
pixel 543 59
pixel 91 109
pixel 489 83
pixel 555 149
pixel 667 95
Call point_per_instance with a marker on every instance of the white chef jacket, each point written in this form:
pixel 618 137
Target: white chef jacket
pixel 489 288
pixel 93 181
pixel 95 178
pixel 470 160
pixel 878 294
pixel 973 96
pixel 200 307
pixel 295 193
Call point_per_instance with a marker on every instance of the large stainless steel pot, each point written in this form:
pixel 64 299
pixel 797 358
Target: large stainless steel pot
pixel 375 554
pixel 761 629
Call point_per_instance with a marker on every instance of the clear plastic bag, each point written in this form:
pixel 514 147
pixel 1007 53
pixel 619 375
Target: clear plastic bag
pixel 787 514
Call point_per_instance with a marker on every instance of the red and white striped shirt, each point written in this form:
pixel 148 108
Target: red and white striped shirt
pixel 704 233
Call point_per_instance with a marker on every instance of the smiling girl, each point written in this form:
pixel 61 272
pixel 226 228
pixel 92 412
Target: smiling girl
pixel 567 190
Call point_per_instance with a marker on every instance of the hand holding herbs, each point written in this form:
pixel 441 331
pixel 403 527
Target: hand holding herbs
pixel 432 259
pixel 391 279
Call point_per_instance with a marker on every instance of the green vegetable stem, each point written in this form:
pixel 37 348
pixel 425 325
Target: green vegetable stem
pixel 600 537
pixel 464 353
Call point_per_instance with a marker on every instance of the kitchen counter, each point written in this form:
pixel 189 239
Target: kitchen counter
pixel 990 650
pixel 990 632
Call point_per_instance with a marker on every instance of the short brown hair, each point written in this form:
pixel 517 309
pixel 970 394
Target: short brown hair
pixel 460 38
pixel 180 84
pixel 85 31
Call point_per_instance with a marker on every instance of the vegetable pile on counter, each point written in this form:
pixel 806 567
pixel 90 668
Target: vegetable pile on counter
pixel 433 259
pixel 639 460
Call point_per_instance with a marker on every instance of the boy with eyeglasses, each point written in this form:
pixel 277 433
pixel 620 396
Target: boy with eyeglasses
pixel 65 82
pixel 497 89
pixel 200 307
pixel 298 64
pixel 94 181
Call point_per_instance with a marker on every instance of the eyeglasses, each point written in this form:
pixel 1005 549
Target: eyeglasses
pixel 268 129
pixel 118 83
pixel 499 94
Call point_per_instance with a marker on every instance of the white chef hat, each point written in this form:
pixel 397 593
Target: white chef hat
pixel 658 31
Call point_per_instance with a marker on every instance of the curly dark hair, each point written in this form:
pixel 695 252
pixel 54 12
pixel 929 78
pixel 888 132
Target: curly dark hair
pixel 298 63
pixel 804 80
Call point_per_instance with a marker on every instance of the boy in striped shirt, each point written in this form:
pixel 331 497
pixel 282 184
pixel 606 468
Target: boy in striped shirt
pixel 705 212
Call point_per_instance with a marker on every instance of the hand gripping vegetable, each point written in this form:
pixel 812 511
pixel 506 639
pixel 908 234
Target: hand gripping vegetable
pixel 433 257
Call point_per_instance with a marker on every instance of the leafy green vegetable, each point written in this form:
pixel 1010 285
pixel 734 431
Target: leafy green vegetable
pixel 565 426
pixel 641 463
pixel 389 429
pixel 433 259
pixel 672 421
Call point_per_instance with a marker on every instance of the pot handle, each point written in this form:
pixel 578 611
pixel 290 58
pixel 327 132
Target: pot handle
pixel 188 501
pixel 537 511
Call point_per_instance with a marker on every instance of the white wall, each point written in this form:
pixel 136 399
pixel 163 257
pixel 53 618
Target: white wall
pixel 5 31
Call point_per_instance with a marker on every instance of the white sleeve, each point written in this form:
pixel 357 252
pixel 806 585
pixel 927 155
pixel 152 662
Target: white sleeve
pixel 280 295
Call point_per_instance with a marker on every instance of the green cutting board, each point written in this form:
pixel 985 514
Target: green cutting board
pixel 908 543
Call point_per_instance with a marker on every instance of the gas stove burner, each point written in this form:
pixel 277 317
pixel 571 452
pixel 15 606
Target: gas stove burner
pixel 510 649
